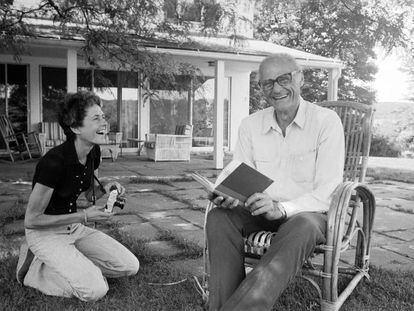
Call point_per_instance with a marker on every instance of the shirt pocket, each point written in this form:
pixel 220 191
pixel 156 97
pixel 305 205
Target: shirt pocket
pixel 303 165
pixel 265 165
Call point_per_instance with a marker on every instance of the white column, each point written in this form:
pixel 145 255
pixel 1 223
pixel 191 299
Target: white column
pixel 143 112
pixel 219 95
pixel 239 105
pixel 71 71
pixel 333 77
pixel 35 112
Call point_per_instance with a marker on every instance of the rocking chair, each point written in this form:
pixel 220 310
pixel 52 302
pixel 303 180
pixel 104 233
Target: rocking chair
pixel 350 215
pixel 20 143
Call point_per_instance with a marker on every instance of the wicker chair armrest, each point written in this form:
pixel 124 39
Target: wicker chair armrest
pixel 344 198
pixel 338 232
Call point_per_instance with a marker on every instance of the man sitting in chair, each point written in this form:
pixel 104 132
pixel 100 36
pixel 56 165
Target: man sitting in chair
pixel 301 147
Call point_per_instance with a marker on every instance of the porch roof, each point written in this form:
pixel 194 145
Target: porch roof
pixel 215 48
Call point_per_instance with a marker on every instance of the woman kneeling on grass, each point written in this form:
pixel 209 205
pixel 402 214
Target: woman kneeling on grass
pixel 62 257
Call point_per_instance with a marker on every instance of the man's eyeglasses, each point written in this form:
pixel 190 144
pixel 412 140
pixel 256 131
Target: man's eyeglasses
pixel 282 80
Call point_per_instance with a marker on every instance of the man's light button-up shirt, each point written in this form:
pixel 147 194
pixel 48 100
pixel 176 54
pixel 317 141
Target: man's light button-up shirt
pixel 306 165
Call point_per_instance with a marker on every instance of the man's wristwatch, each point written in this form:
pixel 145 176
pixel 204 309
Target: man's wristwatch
pixel 282 210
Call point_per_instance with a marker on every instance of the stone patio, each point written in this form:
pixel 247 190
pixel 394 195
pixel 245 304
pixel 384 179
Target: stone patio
pixel 176 205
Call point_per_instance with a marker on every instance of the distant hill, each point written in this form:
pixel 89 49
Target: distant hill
pixel 392 118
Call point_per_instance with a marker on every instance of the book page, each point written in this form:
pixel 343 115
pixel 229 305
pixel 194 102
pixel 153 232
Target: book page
pixel 208 185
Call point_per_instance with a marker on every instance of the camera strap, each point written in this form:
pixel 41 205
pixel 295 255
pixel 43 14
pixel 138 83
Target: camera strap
pixel 93 178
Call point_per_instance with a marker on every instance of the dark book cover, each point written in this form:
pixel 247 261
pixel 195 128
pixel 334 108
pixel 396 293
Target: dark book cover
pixel 243 182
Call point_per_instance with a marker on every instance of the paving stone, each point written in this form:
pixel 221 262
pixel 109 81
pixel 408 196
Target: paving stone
pixel 155 214
pixel 195 217
pixel 192 216
pixel 126 219
pixel 387 220
pixel 396 203
pixel 142 187
pixel 15 227
pixel 193 267
pixel 406 250
pixel 379 239
pixel 142 231
pixel 173 223
pixel 390 260
pixel 188 185
pixel 191 195
pixel 163 248
pixel 151 202
pixel 406 234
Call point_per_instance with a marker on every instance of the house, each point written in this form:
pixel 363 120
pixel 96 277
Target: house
pixel 31 88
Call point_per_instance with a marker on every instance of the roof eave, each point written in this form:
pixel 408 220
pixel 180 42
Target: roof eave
pixel 185 52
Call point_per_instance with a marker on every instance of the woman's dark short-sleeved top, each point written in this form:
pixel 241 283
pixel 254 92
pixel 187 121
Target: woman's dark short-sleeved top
pixel 61 170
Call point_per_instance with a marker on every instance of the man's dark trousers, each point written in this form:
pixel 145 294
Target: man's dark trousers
pixel 294 242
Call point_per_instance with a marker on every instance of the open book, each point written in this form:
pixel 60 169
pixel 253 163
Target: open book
pixel 237 180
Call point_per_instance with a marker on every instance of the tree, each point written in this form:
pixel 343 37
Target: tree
pixel 346 29
pixel 116 31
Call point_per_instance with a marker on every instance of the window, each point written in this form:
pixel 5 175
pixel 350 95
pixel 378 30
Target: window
pixel 53 91
pixel 13 95
pixel 190 10
pixel 170 107
pixel 203 114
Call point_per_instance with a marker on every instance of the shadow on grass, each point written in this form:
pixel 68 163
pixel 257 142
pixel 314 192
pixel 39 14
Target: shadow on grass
pixel 387 290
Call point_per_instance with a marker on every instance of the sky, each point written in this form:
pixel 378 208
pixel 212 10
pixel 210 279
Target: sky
pixel 390 83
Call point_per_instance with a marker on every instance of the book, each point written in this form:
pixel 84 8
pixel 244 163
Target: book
pixel 237 180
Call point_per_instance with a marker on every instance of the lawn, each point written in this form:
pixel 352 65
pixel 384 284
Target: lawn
pixel 387 290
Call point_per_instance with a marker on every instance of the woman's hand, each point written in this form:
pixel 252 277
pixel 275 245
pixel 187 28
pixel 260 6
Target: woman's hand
pixel 96 213
pixel 119 187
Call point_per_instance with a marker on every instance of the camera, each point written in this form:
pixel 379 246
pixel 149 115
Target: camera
pixel 114 200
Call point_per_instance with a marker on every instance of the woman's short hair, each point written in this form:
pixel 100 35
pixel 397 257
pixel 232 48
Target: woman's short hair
pixel 72 112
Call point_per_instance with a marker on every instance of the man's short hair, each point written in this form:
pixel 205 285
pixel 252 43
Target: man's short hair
pixel 72 111
pixel 287 59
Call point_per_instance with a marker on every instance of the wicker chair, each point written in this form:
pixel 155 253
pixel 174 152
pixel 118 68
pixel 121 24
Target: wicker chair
pixel 345 217
pixel 168 147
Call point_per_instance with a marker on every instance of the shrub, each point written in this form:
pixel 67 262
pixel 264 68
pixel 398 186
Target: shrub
pixel 381 146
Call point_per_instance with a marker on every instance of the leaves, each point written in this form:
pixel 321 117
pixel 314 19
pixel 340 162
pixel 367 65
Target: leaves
pixel 346 29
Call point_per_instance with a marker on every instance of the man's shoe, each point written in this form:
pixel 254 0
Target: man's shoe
pixel 25 259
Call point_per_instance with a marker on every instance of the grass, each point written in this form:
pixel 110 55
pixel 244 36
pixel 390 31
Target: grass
pixel 387 290
pixel 133 293
pixel 14 212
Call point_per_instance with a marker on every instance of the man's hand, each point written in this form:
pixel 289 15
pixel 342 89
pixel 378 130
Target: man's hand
pixel 262 204
pixel 96 213
pixel 223 202
pixel 119 187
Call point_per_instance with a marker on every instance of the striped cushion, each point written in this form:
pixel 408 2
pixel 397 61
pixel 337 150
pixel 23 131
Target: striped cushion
pixel 257 243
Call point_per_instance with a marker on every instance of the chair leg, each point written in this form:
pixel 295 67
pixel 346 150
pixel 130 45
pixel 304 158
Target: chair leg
pixel 10 153
pixel 27 147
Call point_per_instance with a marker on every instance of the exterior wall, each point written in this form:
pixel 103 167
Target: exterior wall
pixel 244 19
